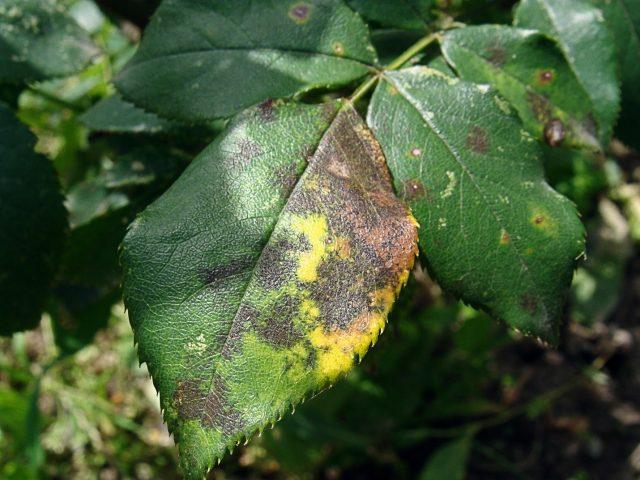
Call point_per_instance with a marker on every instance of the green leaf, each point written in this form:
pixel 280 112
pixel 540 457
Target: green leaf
pixel 406 14
pixel 588 48
pixel 529 71
pixel 258 279
pixel 492 231
pixel 32 227
pixel 39 41
pixel 201 60
pixel 449 462
pixel 623 19
pixel 116 115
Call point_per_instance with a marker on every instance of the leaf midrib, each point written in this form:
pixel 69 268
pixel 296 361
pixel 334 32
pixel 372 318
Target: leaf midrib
pixel 246 49
pixel 413 102
pixel 270 235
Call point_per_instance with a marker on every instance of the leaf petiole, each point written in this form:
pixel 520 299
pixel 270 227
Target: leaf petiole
pixel 411 52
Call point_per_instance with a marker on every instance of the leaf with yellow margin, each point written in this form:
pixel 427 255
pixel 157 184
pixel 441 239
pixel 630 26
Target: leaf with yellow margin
pixel 265 272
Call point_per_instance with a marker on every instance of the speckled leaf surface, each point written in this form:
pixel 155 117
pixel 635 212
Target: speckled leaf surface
pixel 588 46
pixel 32 226
pixel 623 19
pixel 265 271
pixel 532 74
pixel 38 41
pixel 407 14
pixel 492 231
pixel 201 60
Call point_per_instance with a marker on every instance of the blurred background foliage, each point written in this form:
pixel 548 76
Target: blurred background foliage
pixel 447 394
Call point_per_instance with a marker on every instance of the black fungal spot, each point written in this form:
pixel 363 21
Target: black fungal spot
pixel 554 132
pixel 539 219
pixel 413 189
pixel 267 110
pixel 529 303
pixel 477 140
pixel 277 266
pixel 496 55
pixel 212 276
pixel 286 178
pixel 278 329
pixel 218 412
pixel 249 150
pixel 188 399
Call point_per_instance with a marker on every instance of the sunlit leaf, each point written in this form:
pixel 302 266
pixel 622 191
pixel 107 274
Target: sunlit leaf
pixel 588 47
pixel 38 40
pixel 532 74
pixel 203 60
pixel 265 271
pixel 492 231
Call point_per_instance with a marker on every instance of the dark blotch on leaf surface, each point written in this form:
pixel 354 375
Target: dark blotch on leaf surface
pixel 214 275
pixel 477 140
pixel 413 189
pixel 218 412
pixel 300 12
pixel 554 132
pixel 267 110
pixel 496 55
pixel 529 303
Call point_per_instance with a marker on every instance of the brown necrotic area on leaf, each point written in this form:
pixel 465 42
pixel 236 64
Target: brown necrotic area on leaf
pixel 322 287
pixel 545 77
pixel 413 189
pixel 477 140
pixel 300 12
pixel 496 55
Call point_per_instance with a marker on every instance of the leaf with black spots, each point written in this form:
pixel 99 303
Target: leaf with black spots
pixel 623 19
pixel 39 41
pixel 492 231
pixel 531 73
pixel 588 47
pixel 265 271
pixel 201 60
pixel 33 223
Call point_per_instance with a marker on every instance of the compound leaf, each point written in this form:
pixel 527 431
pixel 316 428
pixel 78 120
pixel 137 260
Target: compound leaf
pixel 32 227
pixel 492 231
pixel 529 71
pixel 264 272
pixel 39 41
pixel 588 47
pixel 201 60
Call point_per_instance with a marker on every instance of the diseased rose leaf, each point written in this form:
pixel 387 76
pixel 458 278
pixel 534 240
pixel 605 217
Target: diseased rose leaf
pixel 33 224
pixel 201 60
pixel 492 231
pixel 623 19
pixel 531 73
pixel 265 271
pixel 39 41
pixel 588 47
